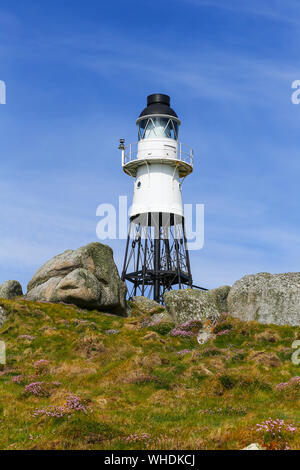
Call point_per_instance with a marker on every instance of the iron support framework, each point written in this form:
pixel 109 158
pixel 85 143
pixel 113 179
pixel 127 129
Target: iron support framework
pixel 156 257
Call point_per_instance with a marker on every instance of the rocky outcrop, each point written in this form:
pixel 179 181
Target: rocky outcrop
pixel 267 298
pixel 253 446
pixel 163 317
pixel 146 306
pixel 192 304
pixel 141 306
pixel 87 277
pixel 10 290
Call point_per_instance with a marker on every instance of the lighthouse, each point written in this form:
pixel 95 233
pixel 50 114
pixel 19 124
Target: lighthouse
pixel 156 256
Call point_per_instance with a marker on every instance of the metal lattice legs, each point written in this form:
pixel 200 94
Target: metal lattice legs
pixel 156 257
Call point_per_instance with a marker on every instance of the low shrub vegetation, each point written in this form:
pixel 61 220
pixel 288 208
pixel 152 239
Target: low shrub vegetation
pixel 79 379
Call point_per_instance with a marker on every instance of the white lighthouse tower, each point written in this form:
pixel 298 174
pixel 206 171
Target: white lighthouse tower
pixel 156 257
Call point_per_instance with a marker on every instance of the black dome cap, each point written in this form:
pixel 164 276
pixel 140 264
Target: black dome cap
pixel 158 98
pixel 158 104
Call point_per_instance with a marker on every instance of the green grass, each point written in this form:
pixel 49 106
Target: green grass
pixel 209 398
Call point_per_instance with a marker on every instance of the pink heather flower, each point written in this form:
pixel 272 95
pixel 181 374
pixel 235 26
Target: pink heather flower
pixel 281 386
pixel 223 332
pixel 17 379
pixel 148 322
pixel 52 412
pixel 73 405
pixel 28 337
pixel 156 322
pixel 112 332
pixel 275 427
pixel 41 364
pixel 183 352
pixel 293 381
pixel 190 324
pixel 178 332
pixel 186 329
pixel 138 438
pixel 35 388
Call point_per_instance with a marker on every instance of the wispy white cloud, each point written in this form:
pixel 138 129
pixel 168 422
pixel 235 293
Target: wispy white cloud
pixel 286 11
pixel 206 69
pixel 208 73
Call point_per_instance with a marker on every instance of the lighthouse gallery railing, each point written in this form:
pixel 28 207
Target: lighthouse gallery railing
pixel 184 154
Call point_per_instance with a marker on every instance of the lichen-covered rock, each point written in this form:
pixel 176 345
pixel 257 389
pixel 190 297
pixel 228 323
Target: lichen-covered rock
pixel 253 446
pixel 192 304
pixel 163 317
pixel 10 290
pixel 144 306
pixel 87 277
pixel 220 295
pixel 3 316
pixel 267 298
pixel 145 303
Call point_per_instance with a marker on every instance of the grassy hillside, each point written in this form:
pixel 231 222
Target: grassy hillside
pixel 77 379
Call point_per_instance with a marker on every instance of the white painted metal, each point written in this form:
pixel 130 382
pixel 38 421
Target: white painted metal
pixel 157 164
pixel 158 115
pixel 159 147
pixel 167 151
pixel 157 189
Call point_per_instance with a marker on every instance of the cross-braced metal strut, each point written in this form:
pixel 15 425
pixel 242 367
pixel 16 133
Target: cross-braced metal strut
pixel 156 257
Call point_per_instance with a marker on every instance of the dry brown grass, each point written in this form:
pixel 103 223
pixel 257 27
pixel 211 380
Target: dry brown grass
pixel 136 382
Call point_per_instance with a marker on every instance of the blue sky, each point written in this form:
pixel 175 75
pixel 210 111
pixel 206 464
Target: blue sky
pixel 77 75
